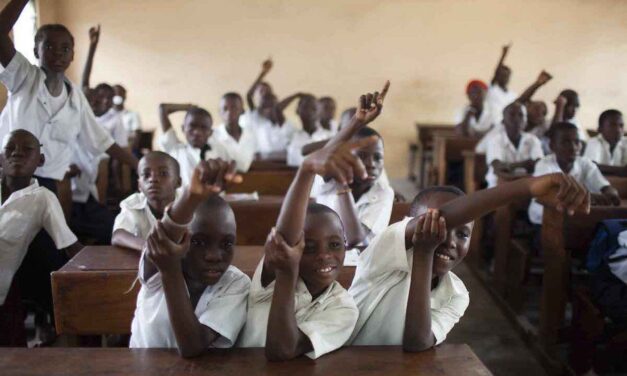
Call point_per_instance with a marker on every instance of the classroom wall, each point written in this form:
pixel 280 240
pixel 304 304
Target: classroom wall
pixel 193 51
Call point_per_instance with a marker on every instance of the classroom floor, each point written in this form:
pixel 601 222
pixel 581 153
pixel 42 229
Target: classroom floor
pixel 484 327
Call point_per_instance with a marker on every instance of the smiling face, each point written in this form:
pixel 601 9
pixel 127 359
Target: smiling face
pixel 212 242
pixel 102 100
pixel 453 250
pixel 158 178
pixel 22 155
pixel 55 51
pixel 197 129
pixel 324 251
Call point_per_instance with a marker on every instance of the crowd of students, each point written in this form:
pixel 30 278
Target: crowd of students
pixel 191 297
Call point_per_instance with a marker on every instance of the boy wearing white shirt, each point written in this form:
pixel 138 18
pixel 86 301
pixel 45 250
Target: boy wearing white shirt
pixel 609 148
pixel 106 116
pixel 197 129
pixel 272 131
pixel 499 96
pixel 310 132
pixel 240 143
pixel 25 209
pixel 566 107
pixel 512 149
pixel 130 119
pixel 326 109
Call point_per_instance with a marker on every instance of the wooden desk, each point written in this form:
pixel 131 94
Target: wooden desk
pixel 361 361
pixel 475 170
pixel 273 182
pixel 424 134
pixel 91 292
pixel 270 165
pixel 447 148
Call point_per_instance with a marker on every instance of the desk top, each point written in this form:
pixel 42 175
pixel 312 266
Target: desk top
pixel 448 359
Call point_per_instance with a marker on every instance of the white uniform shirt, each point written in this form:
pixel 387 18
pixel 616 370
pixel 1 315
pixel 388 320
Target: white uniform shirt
pixel 598 150
pixel 84 185
pixel 270 137
pixel 498 100
pixel 374 208
pixel 221 307
pixel 485 121
pixel 584 171
pixel 242 151
pixel 335 127
pixel 136 216
pixel 112 122
pixel 130 120
pixel 28 107
pixel 327 321
pixel 381 289
pixel 187 155
pixel 22 216
pixel 501 148
pixel 301 138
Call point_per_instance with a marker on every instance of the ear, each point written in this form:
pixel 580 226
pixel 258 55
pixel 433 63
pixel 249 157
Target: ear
pixel 42 160
pixel 179 182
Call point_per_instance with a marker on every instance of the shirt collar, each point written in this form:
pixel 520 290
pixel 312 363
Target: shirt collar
pixel 21 193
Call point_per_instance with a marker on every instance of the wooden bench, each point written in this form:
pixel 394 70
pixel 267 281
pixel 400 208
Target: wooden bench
pixel 446 359
pixel 424 150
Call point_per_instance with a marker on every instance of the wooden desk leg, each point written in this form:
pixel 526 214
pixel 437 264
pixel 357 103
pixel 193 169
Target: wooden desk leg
pixel 64 193
pixel 439 159
pixel 555 280
pixel 469 173
pixel 422 167
pixel 503 234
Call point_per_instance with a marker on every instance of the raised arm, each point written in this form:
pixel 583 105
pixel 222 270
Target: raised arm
pixel 94 37
pixel 355 232
pixel 165 109
pixel 501 61
pixel 560 104
pixel 265 69
pixel 542 79
pixel 8 17
pixel 282 105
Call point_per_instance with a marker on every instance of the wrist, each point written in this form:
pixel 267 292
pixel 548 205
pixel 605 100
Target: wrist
pixel 289 275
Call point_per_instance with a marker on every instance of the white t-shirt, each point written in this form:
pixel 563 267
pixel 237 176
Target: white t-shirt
pixel 22 216
pixel 374 208
pixel 301 138
pixel 187 155
pixel 498 100
pixel 136 216
pixel 56 103
pixel 84 185
pixel 112 122
pixel 270 137
pixel 242 151
pixel 381 289
pixel 484 123
pixel 29 107
pixel 501 148
pixel 584 171
pixel 131 120
pixel 598 150
pixel 221 307
pixel 327 321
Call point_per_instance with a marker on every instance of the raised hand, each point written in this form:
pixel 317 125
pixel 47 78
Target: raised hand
pixel 430 231
pixel 211 176
pixel 562 191
pixel 561 101
pixel 371 104
pixel 506 48
pixel 163 252
pixel 543 78
pixel 94 35
pixel 266 66
pixel 280 257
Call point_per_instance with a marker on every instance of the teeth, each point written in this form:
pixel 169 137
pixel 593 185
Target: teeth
pixel 325 270
pixel 443 257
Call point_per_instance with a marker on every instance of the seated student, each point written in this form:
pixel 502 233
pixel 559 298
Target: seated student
pixel 240 143
pixel 566 106
pixel 259 88
pixel 311 131
pixel 499 95
pixel 512 150
pixel 158 180
pixel 537 124
pixel 566 145
pixel 192 298
pixel 197 129
pixel 326 114
pixel 130 119
pixel 295 305
pixel 609 148
pixel 25 209
pixel 365 202
pixel 404 287
pixel 476 118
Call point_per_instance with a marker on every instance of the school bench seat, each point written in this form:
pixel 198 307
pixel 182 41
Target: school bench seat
pixel 444 360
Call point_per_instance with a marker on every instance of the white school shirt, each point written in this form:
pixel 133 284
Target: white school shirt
pixel 187 155
pixel 485 121
pixel 28 107
pixel 136 216
pixel 381 289
pixel 242 151
pixel 598 150
pixel 327 321
pixel 584 171
pixel 498 100
pixel 22 216
pixel 112 122
pixel 221 307
pixel 130 120
pixel 84 185
pixel 301 138
pixel 374 207
pixel 335 127
pixel 270 137
pixel 501 148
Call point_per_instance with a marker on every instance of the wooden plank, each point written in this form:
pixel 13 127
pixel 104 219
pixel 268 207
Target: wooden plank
pixel 475 170
pixel 449 149
pixel 424 152
pixel 447 359
pixel 264 182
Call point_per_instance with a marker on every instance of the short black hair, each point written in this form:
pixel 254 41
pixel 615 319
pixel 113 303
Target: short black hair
pixel 232 95
pixel 367 132
pixel 306 97
pixel 41 32
pixel 326 99
pixel 570 95
pixel 428 192
pixel 104 86
pixel 171 160
pixel 606 115
pixel 562 126
pixel 198 111
pixel 314 208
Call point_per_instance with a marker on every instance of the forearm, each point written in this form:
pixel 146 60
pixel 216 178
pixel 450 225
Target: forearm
pixel 613 170
pixel 191 336
pixel 355 232
pixel 123 155
pixel 528 93
pixel 165 109
pixel 124 239
pixel 558 116
pixel 310 148
pixel 347 132
pixel 87 69
pixel 251 92
pixel 282 105
pixel 181 212
pixel 10 14
pixel 499 64
pixel 294 208
pixel 418 335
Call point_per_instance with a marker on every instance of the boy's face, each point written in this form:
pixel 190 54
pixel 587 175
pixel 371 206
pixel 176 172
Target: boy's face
pixel 566 146
pixel 22 155
pixel 230 110
pixel 268 101
pixel 514 120
pixel 476 95
pixel 323 255
pixel 503 75
pixel 307 112
pixel 55 51
pixel 372 158
pixel 158 179
pixel 261 91
pixel 326 110
pixel 197 129
pixel 570 110
pixel 453 250
pixel 119 91
pixel 212 244
pixel 612 129
pixel 102 101
pixel 536 113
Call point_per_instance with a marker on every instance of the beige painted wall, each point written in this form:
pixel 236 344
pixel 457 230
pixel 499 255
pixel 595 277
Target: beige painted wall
pixel 193 51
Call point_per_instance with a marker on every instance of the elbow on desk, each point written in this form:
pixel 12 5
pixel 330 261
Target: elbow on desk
pixel 279 355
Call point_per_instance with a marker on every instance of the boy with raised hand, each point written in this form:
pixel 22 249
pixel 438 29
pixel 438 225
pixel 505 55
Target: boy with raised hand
pixel 499 95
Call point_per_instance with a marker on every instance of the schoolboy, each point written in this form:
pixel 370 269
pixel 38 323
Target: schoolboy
pixel 326 108
pixel 566 107
pixel 240 143
pixel 311 130
pixel 609 148
pixel 499 94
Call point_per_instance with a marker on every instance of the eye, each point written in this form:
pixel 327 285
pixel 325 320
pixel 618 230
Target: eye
pixel 227 245
pixel 335 245
pixel 310 247
pixel 463 234
pixel 197 243
pixel 164 173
